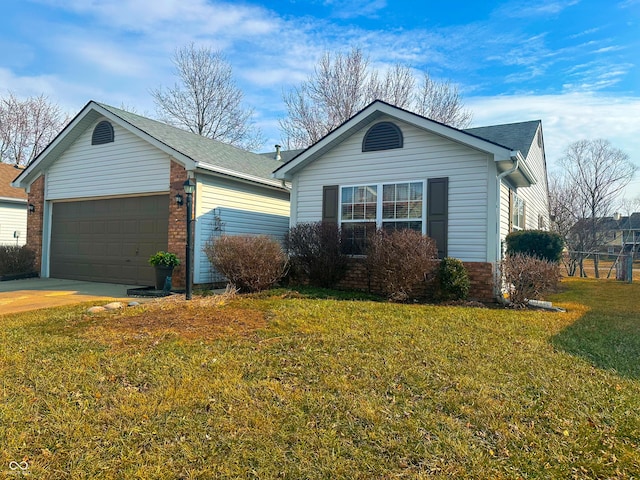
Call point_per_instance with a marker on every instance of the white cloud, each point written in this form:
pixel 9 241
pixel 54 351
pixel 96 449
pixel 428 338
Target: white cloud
pixel 568 118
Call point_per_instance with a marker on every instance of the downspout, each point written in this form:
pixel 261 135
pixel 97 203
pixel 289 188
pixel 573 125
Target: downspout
pixel 497 280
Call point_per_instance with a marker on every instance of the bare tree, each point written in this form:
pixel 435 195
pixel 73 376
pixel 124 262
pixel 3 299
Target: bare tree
pixel 206 100
pixel 442 102
pixel 27 126
pixel 343 84
pixel 594 175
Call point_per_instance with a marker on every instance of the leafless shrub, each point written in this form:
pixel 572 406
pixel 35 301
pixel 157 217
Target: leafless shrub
pixel 316 250
pixel 15 260
pixel 250 263
pixel 529 278
pixel 401 261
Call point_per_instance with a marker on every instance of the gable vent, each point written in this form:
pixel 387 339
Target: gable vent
pixel 382 136
pixel 103 133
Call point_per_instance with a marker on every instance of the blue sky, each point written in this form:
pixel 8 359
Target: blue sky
pixel 574 64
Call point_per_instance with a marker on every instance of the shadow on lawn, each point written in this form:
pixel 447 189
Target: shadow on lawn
pixel 610 341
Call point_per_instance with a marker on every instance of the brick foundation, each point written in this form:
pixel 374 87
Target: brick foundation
pixel 177 238
pixel 480 278
pixel 35 220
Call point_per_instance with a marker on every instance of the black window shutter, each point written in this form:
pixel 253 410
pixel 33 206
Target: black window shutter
pixel 438 212
pixel 330 203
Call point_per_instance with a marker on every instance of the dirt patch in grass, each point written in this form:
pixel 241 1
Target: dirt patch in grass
pixel 204 318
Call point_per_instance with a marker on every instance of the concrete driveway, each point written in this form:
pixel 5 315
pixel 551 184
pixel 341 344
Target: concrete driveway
pixel 34 293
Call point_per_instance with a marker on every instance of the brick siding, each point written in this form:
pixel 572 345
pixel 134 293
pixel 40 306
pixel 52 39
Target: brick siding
pixel 481 278
pixel 35 220
pixel 177 239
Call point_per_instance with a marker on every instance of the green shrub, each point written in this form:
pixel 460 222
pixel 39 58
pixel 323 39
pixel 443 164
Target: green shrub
pixel 315 249
pixel 453 280
pixel 535 243
pixel 529 278
pixel 400 262
pixel 250 263
pixel 15 260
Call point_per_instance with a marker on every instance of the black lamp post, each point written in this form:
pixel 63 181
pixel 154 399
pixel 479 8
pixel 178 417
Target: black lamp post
pixel 189 188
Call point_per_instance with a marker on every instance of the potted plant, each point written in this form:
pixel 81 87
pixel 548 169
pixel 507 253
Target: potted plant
pixel 164 263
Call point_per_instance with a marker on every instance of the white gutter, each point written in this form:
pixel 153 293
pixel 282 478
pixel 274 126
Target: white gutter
pixel 13 200
pixel 515 158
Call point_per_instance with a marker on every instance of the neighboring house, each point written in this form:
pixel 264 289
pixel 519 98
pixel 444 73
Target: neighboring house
pixel 390 168
pixel 621 233
pixel 13 208
pixel 105 197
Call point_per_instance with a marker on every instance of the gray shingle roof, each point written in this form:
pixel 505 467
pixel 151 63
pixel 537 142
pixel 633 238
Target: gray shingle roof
pixel 285 155
pixel 199 148
pixel 516 136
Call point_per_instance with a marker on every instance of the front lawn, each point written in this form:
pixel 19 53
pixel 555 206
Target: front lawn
pixel 285 386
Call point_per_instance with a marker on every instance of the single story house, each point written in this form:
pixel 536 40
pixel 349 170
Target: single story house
pixel 389 168
pixel 13 208
pixel 107 193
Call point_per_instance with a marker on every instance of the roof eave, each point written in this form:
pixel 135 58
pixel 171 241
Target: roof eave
pixel 13 200
pixel 214 169
pixel 369 115
pixel 74 129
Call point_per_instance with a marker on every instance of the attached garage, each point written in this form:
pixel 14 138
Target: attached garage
pixel 108 240
pixel 109 192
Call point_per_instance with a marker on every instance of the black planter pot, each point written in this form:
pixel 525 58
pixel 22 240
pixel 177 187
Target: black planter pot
pixel 162 272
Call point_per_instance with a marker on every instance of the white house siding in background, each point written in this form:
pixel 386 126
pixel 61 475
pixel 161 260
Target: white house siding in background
pixel 424 155
pixel 235 208
pixel 535 197
pixel 128 165
pixel 13 218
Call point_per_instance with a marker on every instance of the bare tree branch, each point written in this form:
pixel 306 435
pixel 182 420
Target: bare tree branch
pixel 206 100
pixel 593 175
pixel 343 84
pixel 27 126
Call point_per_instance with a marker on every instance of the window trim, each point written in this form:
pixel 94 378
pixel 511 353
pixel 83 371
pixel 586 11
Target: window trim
pixel 515 200
pixel 379 200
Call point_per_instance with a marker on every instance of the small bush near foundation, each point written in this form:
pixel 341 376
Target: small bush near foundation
pixel 315 249
pixel 453 280
pixel 400 262
pixel 250 263
pixel 535 243
pixel 529 278
pixel 15 260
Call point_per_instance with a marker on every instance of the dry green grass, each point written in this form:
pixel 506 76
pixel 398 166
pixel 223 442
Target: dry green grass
pixel 277 386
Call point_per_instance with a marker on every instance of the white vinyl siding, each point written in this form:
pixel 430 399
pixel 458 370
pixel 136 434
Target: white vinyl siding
pixel 13 218
pixel 423 156
pixel 535 197
pixel 127 166
pixel 235 208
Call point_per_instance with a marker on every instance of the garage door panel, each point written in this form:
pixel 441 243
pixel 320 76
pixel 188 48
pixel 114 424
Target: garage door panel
pixel 108 240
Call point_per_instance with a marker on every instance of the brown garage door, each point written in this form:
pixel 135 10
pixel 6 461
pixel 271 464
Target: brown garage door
pixel 108 240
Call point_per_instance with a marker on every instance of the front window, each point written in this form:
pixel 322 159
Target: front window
pixel 391 206
pixel 517 216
